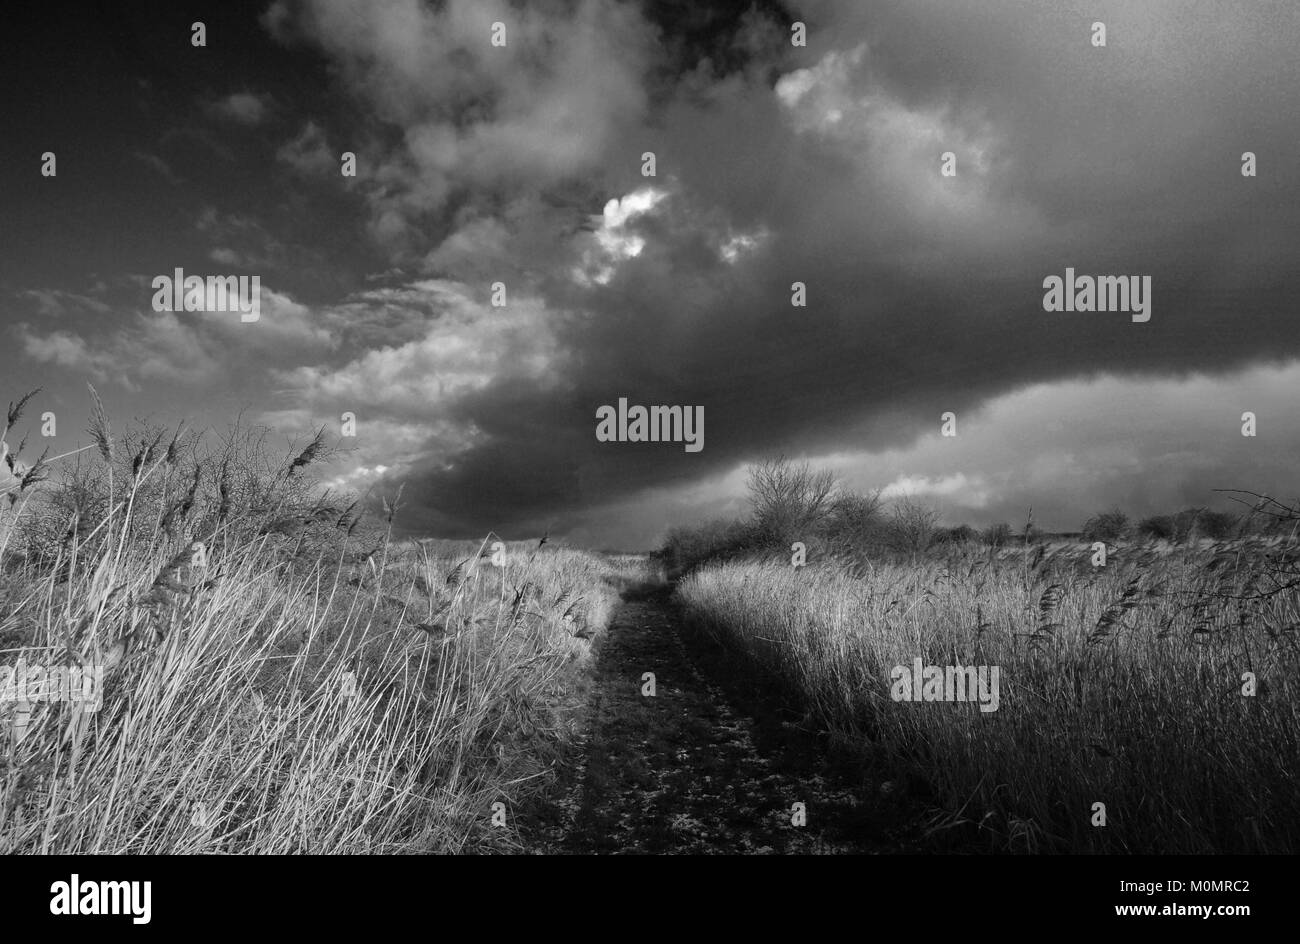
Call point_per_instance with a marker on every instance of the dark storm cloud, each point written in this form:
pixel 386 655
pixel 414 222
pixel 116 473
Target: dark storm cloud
pixel 925 294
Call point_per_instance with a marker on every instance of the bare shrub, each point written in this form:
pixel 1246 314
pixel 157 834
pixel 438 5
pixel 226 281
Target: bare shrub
pixel 959 534
pixel 1157 528
pixel 1109 526
pixel 789 501
pixel 911 525
pixel 997 535
pixel 855 527
pixel 719 539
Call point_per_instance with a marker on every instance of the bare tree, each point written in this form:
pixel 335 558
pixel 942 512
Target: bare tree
pixel 789 501
pixel 856 526
pixel 912 525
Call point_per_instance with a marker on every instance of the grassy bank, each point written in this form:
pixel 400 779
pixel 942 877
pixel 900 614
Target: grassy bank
pixel 278 674
pixel 1119 685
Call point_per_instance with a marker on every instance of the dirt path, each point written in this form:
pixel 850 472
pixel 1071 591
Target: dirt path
pixel 694 768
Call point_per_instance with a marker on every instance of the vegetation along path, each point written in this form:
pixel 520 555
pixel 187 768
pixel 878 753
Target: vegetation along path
pixel 707 764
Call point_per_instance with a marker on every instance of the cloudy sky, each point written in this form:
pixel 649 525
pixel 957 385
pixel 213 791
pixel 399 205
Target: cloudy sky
pixel 774 163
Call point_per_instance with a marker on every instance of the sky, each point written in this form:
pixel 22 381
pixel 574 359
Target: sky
pixel 520 166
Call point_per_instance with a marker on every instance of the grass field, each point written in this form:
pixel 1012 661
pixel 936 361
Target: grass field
pixel 300 683
pixel 273 671
pixel 1120 685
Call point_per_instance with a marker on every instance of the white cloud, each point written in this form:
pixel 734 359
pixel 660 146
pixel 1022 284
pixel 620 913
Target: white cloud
pixel 738 245
pixel 973 494
pixel 555 104
pixel 466 347
pixel 615 239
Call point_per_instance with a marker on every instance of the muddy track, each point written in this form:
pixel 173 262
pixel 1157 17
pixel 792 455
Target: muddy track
pixel 708 764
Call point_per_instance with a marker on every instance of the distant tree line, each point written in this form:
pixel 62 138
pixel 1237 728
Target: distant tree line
pixel 793 503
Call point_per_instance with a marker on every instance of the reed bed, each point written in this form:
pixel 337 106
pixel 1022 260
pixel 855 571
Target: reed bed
pixel 279 674
pixel 1120 685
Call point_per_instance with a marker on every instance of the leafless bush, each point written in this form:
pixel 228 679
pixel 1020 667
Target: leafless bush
pixel 912 525
pixel 997 535
pixel 1109 526
pixel 789 501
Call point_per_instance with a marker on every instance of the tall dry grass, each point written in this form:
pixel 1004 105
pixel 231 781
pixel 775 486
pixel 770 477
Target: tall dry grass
pixel 1119 685
pixel 305 684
